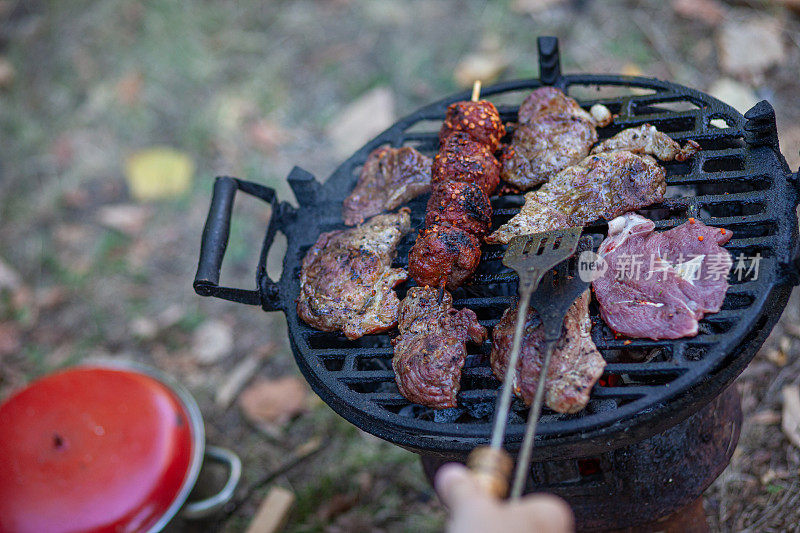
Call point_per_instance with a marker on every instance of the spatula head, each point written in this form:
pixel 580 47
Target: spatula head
pixel 558 289
pixel 532 255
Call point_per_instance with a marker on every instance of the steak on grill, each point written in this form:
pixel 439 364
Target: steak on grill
pixel 659 285
pixel 603 186
pixel 554 132
pixel 390 177
pixel 430 351
pixel 346 279
pixel 646 139
pixel 575 365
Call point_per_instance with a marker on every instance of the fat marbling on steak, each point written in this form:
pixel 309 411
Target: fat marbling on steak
pixel 430 351
pixel 389 178
pixel 554 132
pixel 602 186
pixel 575 366
pixel 659 285
pixel 346 279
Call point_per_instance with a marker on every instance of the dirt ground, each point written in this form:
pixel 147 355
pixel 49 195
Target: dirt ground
pixel 250 89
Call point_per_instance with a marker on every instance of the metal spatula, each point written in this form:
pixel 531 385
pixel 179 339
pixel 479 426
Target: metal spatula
pixel 531 256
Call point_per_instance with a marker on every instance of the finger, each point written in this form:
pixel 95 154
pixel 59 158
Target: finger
pixel 455 485
pixel 547 513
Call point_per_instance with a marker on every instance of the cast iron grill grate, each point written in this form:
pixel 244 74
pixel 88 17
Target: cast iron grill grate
pixel 739 181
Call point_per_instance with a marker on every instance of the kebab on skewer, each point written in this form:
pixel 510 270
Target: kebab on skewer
pixel 431 348
pixel 464 174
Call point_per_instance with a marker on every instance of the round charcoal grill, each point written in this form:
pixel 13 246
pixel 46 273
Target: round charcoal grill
pixel 739 181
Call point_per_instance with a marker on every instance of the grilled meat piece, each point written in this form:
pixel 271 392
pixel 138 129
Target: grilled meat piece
pixel 554 133
pixel 575 365
pixel 430 351
pixel 444 254
pixel 646 139
pixel 346 279
pixel 552 102
pixel 543 148
pixel 602 186
pixel 659 285
pixel 459 204
pixel 480 120
pixel 390 177
pixel 461 158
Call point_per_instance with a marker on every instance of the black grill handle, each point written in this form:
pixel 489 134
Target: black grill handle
pixel 215 242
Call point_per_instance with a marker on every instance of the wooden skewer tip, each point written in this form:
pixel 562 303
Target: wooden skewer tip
pixel 476 90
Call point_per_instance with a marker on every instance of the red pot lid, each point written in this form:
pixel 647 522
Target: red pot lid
pixel 91 449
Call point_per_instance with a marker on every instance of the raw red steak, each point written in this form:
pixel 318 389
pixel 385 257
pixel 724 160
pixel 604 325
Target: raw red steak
pixel 659 285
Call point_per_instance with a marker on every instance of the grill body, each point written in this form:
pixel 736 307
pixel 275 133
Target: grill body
pixel 739 181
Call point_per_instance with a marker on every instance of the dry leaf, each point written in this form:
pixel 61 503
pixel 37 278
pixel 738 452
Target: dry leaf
pixel 236 379
pixel 212 341
pixel 765 418
pixel 9 278
pixel 734 93
pixel 748 47
pixel 7 73
pixel 778 357
pixel 631 69
pixel 10 341
pixel 533 7
pixel 710 12
pixel 790 422
pixel 129 88
pixel 274 402
pixel 362 120
pixel 266 135
pixel 159 173
pixel 125 218
pixel 484 66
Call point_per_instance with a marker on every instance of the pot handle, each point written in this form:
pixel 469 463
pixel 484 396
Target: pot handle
pixel 215 242
pixel 207 506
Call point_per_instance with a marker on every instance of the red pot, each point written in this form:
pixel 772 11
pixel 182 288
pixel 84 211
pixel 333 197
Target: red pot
pixel 108 447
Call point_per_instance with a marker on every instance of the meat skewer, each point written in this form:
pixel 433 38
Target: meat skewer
pixel 464 174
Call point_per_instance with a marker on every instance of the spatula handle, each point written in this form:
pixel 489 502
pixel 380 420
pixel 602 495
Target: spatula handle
pixel 491 467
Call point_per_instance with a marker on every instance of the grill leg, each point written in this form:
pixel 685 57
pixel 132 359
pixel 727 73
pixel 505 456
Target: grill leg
pixel 652 485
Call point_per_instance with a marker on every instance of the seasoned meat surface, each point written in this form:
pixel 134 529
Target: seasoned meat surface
pixel 444 254
pixel 575 365
pixel 480 120
pixel 646 139
pixel 346 279
pixel 543 148
pixel 659 285
pixel 390 177
pixel 554 132
pixel 552 102
pixel 602 186
pixel 459 204
pixel 463 176
pixel 461 158
pixel 430 351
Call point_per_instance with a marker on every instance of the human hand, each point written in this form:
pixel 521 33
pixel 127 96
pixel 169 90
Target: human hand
pixel 474 511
